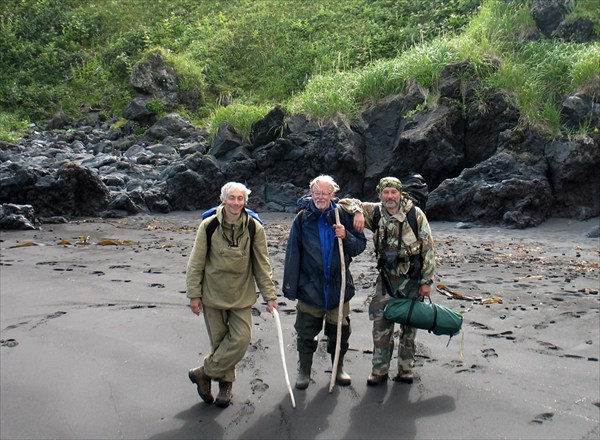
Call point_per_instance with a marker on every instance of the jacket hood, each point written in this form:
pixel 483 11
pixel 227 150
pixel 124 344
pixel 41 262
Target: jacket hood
pixel 308 203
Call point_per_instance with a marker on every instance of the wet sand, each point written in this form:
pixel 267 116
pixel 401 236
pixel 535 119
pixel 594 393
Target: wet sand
pixel 96 341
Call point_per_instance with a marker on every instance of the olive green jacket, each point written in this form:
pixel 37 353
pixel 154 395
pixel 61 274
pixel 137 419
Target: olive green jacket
pixel 227 277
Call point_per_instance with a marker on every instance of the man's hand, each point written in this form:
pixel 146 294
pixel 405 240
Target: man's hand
pixel 272 304
pixel 425 290
pixel 359 221
pixel 340 231
pixel 196 305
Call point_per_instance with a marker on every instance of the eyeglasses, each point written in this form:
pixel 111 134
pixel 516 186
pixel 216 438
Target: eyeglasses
pixel 321 193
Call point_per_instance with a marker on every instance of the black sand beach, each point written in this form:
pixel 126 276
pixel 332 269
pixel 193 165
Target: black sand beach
pixel 96 341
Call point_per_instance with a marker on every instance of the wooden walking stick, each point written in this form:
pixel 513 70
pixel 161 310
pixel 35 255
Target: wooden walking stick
pixel 280 335
pixel 338 342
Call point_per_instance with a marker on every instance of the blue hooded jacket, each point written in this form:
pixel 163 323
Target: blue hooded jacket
pixel 312 271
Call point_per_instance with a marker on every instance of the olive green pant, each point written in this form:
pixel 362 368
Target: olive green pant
pixel 309 322
pixel 229 332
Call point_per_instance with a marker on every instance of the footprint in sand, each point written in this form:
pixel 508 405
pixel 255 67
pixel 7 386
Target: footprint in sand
pixel 489 352
pixel 47 317
pixel 506 334
pixel 472 369
pixel 246 410
pixel 48 263
pixel 453 364
pixel 548 345
pixel 479 325
pixel 258 386
pixel 8 342
pixel 541 418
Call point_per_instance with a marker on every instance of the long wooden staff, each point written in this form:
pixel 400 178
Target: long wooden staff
pixel 338 341
pixel 280 335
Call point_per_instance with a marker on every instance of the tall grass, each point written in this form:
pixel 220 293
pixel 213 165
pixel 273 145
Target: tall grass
pixel 538 74
pixel 240 116
pixel 62 54
pixel 346 92
pixel 11 127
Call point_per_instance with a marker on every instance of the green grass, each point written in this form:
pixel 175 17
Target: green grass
pixel 68 54
pixel 11 127
pixel 241 116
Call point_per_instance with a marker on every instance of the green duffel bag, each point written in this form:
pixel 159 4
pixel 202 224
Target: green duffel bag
pixel 435 318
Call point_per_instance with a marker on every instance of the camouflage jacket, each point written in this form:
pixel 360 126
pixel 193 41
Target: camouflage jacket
pixel 394 236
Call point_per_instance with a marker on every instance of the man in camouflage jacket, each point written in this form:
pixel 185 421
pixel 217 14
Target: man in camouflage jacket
pixel 407 262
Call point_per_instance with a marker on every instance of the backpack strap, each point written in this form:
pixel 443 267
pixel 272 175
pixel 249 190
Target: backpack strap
pixel 212 226
pixel 252 231
pixel 302 216
pixel 375 228
pixel 210 230
pixel 411 216
pixel 376 217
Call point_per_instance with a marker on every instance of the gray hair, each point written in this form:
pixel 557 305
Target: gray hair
pixel 232 186
pixel 324 179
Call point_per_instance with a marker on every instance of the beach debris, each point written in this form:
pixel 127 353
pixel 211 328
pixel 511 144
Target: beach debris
pixel 27 243
pixel 85 239
pixel 111 242
pixel 444 290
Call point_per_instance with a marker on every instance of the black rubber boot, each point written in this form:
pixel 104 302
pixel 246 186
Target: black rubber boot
pixel 304 370
pixel 341 377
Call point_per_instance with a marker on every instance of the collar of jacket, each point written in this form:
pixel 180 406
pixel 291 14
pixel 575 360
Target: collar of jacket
pixel 221 217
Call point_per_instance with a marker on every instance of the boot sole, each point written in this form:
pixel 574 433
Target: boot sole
pixel 381 380
pixel 301 386
pixel 404 380
pixel 222 403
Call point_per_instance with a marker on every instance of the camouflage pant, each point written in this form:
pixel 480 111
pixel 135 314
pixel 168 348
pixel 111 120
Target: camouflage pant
pixel 383 331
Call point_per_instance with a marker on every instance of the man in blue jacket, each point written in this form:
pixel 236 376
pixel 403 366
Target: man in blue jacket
pixel 312 274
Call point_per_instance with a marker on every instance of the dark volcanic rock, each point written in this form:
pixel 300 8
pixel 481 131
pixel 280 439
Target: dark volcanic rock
pixel 480 165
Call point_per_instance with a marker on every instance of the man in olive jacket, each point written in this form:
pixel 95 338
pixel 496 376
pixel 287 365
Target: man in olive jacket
pixel 221 284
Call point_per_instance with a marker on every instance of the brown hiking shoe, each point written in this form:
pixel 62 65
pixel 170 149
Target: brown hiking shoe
pixel 404 376
pixel 202 381
pixel 224 396
pixel 377 379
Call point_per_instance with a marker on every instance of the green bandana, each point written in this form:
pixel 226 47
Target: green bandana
pixel 387 182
